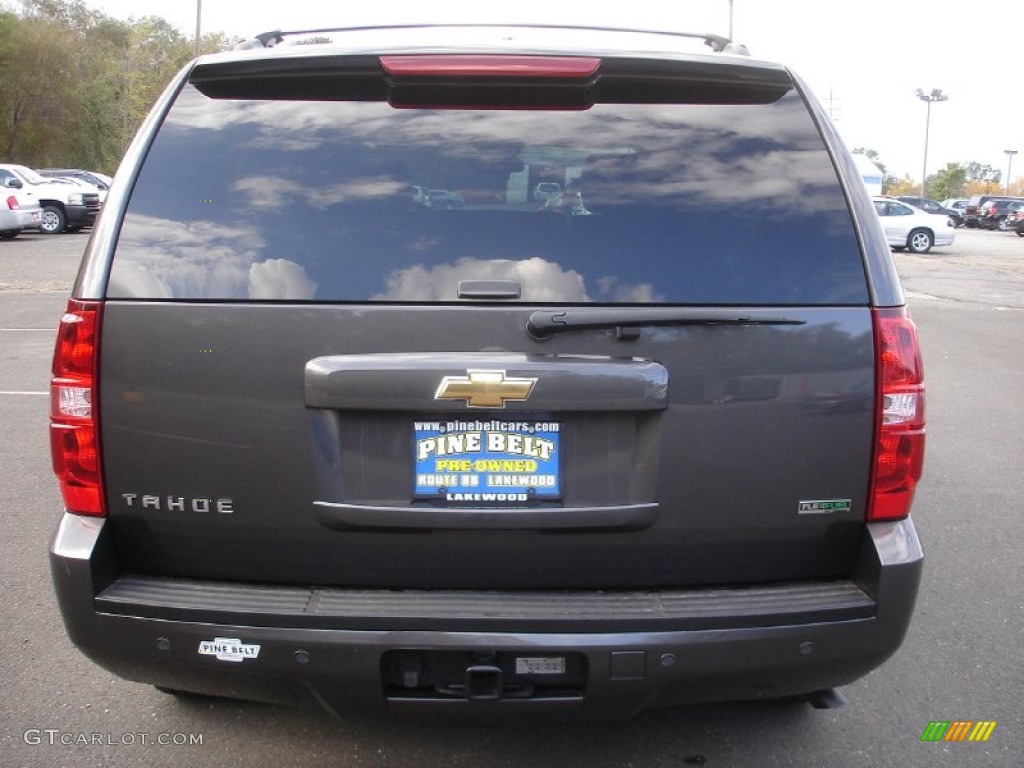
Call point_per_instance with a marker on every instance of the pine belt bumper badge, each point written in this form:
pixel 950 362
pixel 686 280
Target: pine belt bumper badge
pixel 228 649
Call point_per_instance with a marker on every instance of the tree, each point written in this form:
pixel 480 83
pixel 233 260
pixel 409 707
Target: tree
pixel 70 14
pixel 982 187
pixel 214 42
pixel 76 84
pixel 36 90
pixel 904 186
pixel 154 52
pixel 949 182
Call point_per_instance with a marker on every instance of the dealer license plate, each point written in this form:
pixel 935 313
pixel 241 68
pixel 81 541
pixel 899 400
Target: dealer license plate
pixel 487 462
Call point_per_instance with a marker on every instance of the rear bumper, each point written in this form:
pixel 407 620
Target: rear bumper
pixel 632 650
pixel 23 218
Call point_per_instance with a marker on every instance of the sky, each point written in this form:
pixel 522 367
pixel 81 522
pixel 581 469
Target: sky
pixel 865 58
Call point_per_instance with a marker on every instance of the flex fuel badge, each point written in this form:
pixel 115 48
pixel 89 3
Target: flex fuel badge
pixel 228 649
pixel 824 506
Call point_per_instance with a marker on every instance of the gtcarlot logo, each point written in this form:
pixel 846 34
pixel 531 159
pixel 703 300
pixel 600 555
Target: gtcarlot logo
pixel 55 737
pixel 958 730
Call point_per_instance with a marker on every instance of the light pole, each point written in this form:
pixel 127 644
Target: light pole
pixel 199 17
pixel 928 98
pixel 1009 164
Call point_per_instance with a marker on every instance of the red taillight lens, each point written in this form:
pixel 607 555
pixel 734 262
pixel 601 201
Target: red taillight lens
pixel 899 451
pixel 12 203
pixel 463 65
pixel 488 81
pixel 74 440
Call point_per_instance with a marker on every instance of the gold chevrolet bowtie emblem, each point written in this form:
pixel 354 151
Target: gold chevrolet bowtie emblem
pixel 484 389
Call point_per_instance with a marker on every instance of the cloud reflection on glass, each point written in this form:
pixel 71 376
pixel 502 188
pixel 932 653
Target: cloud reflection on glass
pixel 708 203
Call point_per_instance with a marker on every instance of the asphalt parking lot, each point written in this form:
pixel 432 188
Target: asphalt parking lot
pixel 962 659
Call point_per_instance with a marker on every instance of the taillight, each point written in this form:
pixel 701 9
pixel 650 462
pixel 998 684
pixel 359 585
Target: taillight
pixel 488 81
pixel 488 64
pixel 899 449
pixel 12 203
pixel 74 436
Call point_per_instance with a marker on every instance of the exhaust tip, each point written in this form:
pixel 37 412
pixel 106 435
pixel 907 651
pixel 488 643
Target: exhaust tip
pixel 829 698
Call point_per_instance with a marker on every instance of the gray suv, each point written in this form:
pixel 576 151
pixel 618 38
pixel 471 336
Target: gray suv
pixel 650 441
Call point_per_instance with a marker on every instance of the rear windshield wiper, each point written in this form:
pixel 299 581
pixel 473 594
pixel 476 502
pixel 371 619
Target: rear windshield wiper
pixel 544 323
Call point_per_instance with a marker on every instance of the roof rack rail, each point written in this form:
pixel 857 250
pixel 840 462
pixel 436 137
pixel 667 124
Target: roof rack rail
pixel 717 43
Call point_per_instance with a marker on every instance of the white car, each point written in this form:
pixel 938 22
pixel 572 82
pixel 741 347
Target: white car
pixel 97 181
pixel 17 212
pixel 908 227
pixel 67 206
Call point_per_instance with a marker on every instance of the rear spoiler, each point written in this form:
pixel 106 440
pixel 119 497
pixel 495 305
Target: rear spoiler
pixel 364 77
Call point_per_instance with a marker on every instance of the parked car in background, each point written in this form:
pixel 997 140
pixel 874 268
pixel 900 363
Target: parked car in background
pixel 933 207
pixel 67 206
pixel 908 227
pixel 18 212
pixel 992 214
pixel 971 210
pixel 101 182
pixel 444 199
pixel 1014 221
pixel 958 204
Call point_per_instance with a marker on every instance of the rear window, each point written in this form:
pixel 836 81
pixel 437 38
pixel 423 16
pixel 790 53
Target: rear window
pixel 354 201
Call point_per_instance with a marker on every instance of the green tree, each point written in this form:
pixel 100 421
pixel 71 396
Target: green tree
pixel 215 42
pixel 982 187
pixel 36 90
pixel 949 182
pixel 70 14
pixel 76 84
pixel 154 52
pixel 12 102
pixel 904 186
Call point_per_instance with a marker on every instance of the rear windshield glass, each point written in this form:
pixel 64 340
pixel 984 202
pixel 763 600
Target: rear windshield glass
pixel 362 202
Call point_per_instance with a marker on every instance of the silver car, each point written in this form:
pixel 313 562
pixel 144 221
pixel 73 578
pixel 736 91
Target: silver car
pixel 908 227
